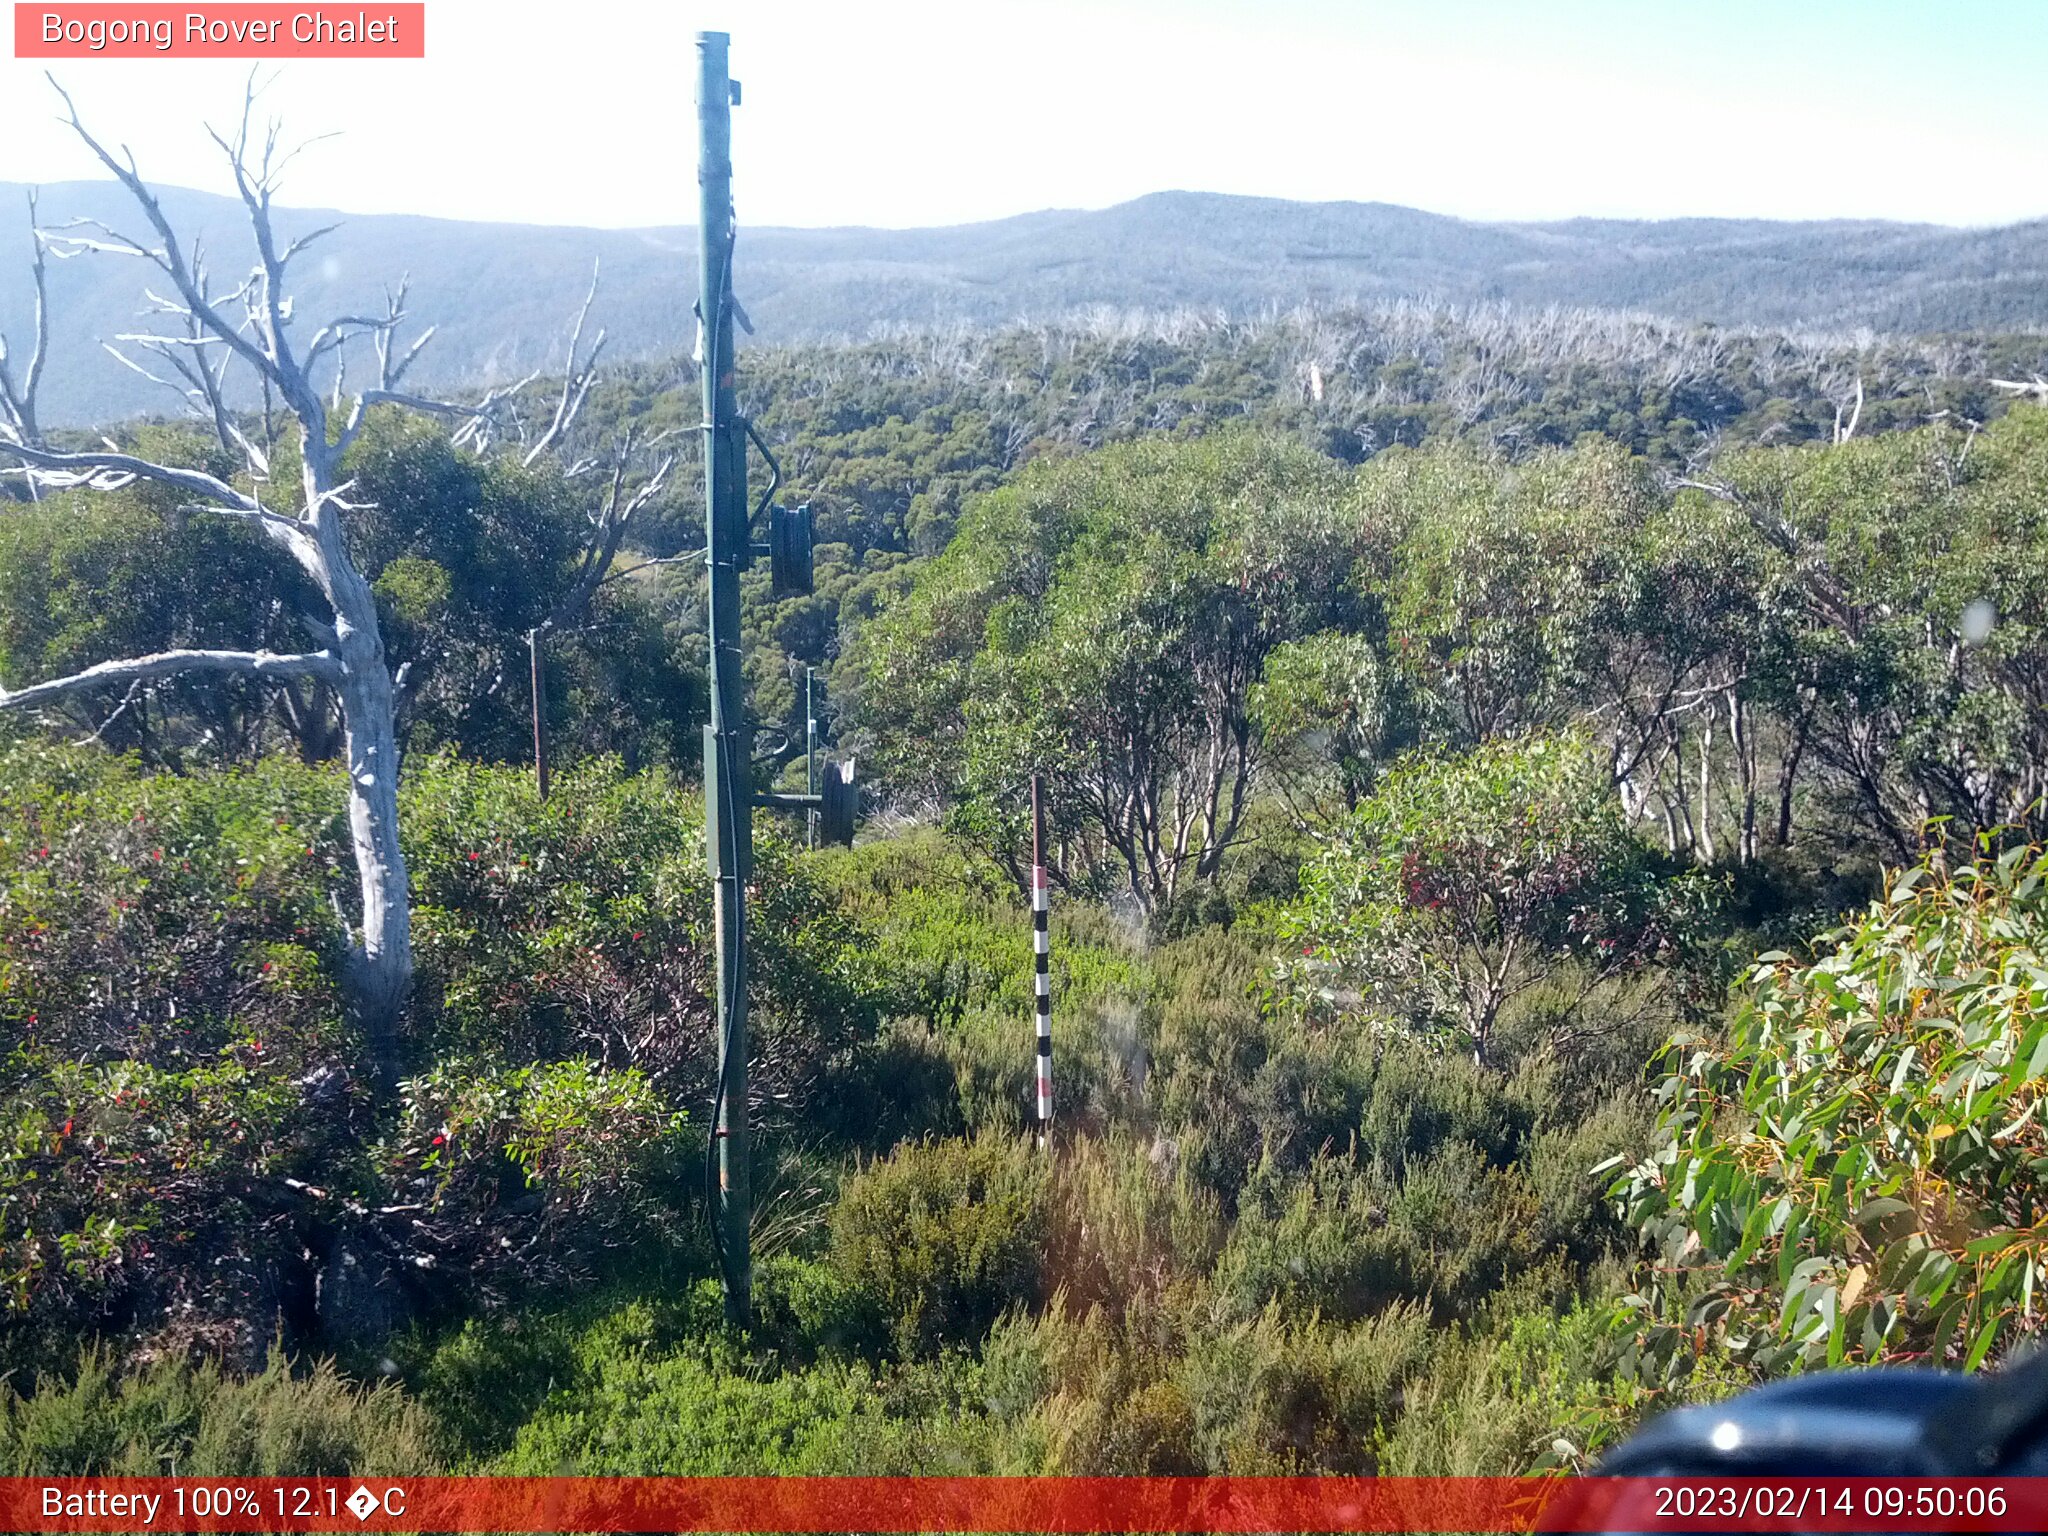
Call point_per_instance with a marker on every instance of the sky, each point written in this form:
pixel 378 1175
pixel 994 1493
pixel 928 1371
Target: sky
pixel 914 112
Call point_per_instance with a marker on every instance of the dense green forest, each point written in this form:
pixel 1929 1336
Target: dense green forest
pixel 1500 767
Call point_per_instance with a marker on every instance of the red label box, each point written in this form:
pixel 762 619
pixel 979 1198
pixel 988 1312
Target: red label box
pixel 378 30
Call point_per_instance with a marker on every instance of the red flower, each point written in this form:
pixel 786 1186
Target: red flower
pixel 266 965
pixel 440 1140
pixel 42 853
pixel 1308 949
pixel 67 1129
pixel 636 933
pixel 157 854
pixel 472 858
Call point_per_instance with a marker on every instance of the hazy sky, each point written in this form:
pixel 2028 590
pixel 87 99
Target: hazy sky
pixel 903 112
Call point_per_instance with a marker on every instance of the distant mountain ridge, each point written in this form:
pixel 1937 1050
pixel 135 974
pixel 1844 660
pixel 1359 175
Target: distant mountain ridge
pixel 502 293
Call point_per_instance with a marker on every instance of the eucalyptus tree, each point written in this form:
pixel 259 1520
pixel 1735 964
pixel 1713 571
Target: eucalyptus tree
pixel 1105 620
pixel 1506 579
pixel 1907 646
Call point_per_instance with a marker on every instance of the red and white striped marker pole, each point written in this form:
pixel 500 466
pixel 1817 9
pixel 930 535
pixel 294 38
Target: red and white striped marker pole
pixel 1041 956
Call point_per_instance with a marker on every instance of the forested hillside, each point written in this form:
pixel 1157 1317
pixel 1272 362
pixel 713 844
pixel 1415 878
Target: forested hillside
pixel 498 290
pixel 1481 746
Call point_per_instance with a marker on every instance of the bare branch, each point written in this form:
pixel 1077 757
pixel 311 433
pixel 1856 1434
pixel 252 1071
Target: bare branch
pixel 1845 431
pixel 576 378
pixel 66 470
pixel 2036 387
pixel 352 429
pixel 256 191
pixel 608 529
pixel 18 397
pixel 316 664
pixel 303 241
pixel 343 329
pixel 274 523
pixel 64 247
pixel 476 432
pixel 128 698
pixel 171 258
pixel 393 372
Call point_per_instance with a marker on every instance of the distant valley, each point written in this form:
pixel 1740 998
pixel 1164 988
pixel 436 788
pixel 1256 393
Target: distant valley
pixel 501 293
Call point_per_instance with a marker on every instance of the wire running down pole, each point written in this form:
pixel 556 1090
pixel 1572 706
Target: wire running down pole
pixel 1041 957
pixel 728 754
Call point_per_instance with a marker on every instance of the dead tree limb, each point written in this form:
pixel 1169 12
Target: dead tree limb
pixel 18 393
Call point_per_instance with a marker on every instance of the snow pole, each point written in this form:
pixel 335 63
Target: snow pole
pixel 1041 958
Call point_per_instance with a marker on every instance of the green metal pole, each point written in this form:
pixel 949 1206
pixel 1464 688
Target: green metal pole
pixel 810 753
pixel 728 756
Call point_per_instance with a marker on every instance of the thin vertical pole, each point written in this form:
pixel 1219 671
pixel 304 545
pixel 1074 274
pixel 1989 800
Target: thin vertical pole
pixel 728 790
pixel 1041 957
pixel 540 711
pixel 810 753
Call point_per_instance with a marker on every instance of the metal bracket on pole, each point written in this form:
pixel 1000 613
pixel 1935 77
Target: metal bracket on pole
pixel 836 804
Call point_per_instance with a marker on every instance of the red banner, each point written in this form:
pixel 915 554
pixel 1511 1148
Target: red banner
pixel 233 31
pixel 1050 1504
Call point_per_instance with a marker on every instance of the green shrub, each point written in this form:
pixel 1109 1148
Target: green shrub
pixel 150 1197
pixel 163 919
pixel 522 1174
pixel 1314 1244
pixel 1232 1087
pixel 1532 1387
pixel 953 949
pixel 184 1141
pixel 174 1418
pixel 488 1375
pixel 939 1238
pixel 1099 1385
pixel 953 935
pixel 1283 1394
pixel 581 926
pixel 1422 1099
pixel 1167 1390
pixel 704 1412
pixel 1127 1223
pixel 175 1049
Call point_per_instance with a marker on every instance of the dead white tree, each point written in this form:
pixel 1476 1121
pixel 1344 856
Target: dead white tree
pixel 633 468
pixel 608 517
pixel 252 328
pixel 18 391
